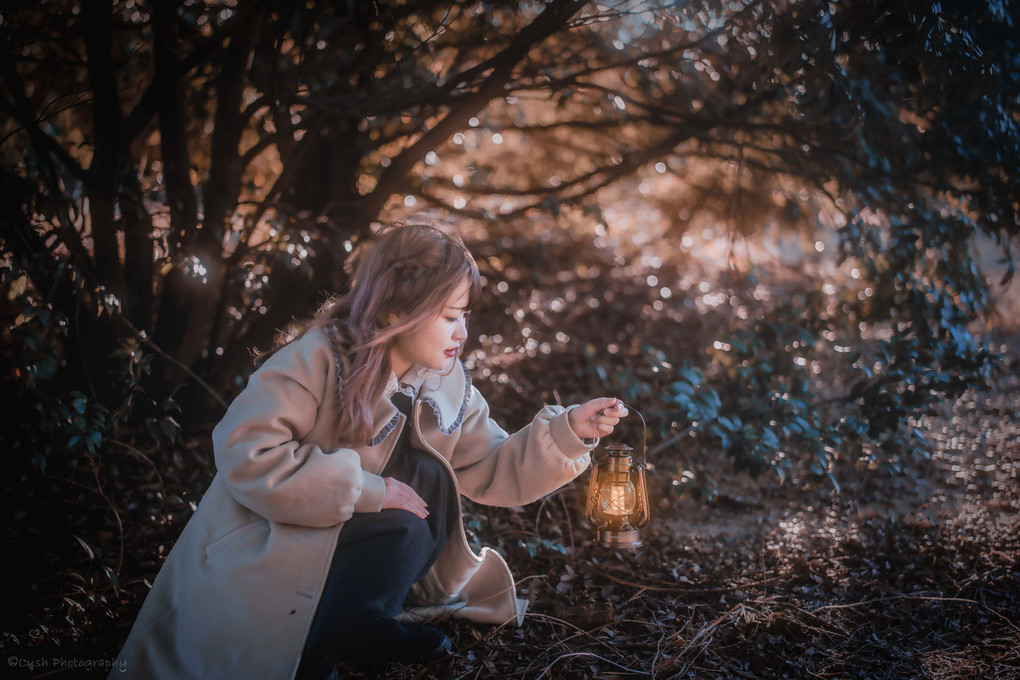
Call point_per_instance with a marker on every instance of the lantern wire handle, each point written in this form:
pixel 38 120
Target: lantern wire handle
pixel 644 429
pixel 644 437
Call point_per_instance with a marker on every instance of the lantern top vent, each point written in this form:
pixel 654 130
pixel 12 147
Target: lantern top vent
pixel 618 450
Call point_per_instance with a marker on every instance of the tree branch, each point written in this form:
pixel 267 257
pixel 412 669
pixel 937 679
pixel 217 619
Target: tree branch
pixel 556 14
pixel 149 103
pixel 22 111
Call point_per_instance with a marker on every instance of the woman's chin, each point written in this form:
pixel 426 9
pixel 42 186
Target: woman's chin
pixel 439 366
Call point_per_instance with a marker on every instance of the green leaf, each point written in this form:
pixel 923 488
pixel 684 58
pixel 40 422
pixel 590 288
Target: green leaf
pixel 86 547
pixel 112 576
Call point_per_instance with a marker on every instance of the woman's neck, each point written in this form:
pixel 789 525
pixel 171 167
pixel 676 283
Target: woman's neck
pixel 398 365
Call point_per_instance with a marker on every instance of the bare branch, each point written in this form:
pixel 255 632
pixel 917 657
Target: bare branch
pixel 556 14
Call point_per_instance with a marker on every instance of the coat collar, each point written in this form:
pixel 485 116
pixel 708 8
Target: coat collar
pixel 447 396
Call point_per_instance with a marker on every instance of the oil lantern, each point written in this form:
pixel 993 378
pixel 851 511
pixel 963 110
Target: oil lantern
pixel 617 497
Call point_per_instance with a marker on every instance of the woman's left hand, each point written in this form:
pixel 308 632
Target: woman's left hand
pixel 596 418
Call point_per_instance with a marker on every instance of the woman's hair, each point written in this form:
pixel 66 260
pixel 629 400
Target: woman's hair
pixel 400 279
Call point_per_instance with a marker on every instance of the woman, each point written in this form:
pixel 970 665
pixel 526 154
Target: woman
pixel 333 521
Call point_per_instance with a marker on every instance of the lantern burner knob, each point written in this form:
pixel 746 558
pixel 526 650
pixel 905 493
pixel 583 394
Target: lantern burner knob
pixel 626 539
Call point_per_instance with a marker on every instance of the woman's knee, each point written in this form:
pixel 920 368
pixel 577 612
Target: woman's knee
pixel 415 529
pixel 401 527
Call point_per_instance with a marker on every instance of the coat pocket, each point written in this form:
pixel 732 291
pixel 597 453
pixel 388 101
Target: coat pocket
pixel 257 526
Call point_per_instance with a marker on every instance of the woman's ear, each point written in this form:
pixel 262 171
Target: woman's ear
pixel 394 319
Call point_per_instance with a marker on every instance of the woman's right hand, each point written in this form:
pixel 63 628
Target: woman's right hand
pixel 403 497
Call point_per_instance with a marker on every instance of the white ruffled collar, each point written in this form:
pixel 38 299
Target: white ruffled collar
pixel 410 383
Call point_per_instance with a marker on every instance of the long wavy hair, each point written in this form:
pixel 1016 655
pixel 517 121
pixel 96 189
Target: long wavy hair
pixel 400 279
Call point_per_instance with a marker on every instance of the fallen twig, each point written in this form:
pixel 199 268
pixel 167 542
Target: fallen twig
pixel 917 598
pixel 594 656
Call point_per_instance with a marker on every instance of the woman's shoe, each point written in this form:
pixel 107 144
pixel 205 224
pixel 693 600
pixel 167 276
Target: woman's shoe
pixel 316 667
pixel 389 640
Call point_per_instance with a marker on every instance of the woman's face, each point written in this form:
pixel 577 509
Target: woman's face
pixel 437 343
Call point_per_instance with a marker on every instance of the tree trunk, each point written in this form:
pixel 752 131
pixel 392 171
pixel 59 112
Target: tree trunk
pixel 106 118
pixel 175 306
pixel 197 296
pixel 138 252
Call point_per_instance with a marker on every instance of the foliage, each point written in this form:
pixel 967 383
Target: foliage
pixel 49 424
pixel 55 442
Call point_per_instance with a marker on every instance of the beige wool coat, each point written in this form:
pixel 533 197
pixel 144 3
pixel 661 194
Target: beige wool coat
pixel 236 596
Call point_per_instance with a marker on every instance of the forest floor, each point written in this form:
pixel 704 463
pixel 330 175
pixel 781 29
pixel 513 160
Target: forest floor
pixel 906 576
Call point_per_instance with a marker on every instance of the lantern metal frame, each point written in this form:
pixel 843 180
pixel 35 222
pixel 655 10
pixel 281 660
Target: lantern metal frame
pixel 617 479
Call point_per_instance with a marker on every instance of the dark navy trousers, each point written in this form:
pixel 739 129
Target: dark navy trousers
pixel 380 555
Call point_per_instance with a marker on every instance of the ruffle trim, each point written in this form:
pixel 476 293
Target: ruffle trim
pixel 385 432
pixel 330 332
pixel 463 406
pixel 404 389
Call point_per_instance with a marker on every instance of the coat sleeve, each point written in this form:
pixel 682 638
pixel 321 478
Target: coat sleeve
pixel 495 468
pixel 260 446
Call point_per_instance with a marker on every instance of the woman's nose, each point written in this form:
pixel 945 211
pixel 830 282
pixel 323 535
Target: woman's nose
pixel 460 332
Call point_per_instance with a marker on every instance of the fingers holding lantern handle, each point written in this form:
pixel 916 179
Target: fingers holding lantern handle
pixel 597 417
